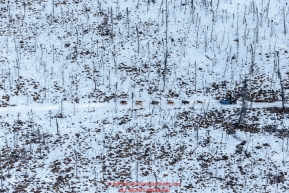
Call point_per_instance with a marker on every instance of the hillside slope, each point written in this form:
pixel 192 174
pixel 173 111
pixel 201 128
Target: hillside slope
pixel 99 92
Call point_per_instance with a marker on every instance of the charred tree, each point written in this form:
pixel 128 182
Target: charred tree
pixel 244 108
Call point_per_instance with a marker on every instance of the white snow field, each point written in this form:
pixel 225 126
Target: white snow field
pixel 96 93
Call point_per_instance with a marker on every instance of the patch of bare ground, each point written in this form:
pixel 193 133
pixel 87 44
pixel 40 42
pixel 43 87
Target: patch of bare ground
pixel 277 110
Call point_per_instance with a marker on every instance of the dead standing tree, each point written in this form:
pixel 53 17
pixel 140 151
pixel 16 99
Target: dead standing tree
pixel 166 52
pixel 282 94
pixel 95 77
pixel 245 97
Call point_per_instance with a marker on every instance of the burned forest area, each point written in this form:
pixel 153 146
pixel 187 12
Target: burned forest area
pixel 109 96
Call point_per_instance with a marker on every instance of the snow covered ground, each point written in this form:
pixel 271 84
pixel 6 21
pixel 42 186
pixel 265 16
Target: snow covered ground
pixel 72 72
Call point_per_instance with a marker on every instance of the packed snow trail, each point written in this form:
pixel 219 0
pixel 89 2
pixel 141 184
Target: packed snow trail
pixel 86 107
